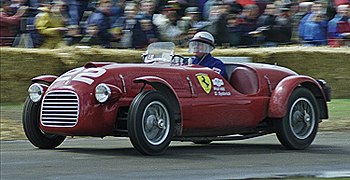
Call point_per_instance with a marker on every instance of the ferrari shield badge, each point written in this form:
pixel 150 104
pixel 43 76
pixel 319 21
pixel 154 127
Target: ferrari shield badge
pixel 205 82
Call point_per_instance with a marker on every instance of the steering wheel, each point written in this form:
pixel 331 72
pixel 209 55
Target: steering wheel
pixel 179 61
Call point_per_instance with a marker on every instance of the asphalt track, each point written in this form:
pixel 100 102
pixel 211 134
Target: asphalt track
pixel 114 158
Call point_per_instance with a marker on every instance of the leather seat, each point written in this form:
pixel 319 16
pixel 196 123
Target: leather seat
pixel 244 80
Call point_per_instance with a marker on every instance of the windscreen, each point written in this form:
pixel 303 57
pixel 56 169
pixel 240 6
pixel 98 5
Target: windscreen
pixel 159 51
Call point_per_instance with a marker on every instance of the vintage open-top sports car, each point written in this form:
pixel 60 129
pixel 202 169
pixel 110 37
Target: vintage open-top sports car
pixel 164 100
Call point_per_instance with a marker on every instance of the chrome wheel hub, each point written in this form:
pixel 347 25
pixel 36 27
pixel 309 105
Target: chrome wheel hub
pixel 161 123
pixel 302 118
pixel 156 123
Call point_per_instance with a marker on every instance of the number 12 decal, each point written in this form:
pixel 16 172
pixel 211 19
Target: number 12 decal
pixel 84 75
pixel 88 74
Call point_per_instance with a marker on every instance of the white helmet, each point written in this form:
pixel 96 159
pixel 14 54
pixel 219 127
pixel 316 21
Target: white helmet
pixel 202 42
pixel 205 37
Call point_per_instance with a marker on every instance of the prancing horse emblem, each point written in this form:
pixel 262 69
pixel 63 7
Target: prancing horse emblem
pixel 205 82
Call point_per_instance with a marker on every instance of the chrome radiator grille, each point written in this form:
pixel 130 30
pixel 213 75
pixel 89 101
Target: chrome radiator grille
pixel 60 109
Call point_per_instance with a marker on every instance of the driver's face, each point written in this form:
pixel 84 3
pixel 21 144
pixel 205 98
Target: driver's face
pixel 199 54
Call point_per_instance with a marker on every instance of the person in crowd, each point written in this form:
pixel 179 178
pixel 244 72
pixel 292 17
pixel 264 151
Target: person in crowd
pixel 117 9
pixel 159 4
pixel 28 36
pixel 343 29
pixel 167 25
pixel 274 28
pixel 122 28
pixel 217 23
pixel 149 33
pixel 282 27
pixel 176 5
pixel 268 17
pixel 246 2
pixel 235 7
pixel 265 25
pixel 100 17
pixel 201 46
pixel 248 19
pixel 50 23
pixel 62 7
pixel 91 37
pixel 76 10
pixel 302 10
pixel 191 23
pixel 341 16
pixel 9 22
pixel 314 32
pixel 73 35
pixel 319 9
pixel 321 22
pixel 147 9
pixel 304 19
pixel 207 8
pixel 234 30
pixel 191 20
pixel 129 33
pixel 197 3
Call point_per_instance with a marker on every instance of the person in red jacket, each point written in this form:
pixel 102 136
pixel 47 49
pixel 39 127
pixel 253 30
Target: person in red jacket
pixel 9 23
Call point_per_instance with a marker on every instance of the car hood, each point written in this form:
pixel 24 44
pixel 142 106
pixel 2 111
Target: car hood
pixel 83 79
pixel 86 78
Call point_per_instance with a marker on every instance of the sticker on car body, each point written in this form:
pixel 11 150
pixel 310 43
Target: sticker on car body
pixel 205 82
pixel 83 75
pixel 219 88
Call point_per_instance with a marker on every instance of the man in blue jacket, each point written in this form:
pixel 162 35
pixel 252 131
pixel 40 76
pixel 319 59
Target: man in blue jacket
pixel 201 45
pixel 100 18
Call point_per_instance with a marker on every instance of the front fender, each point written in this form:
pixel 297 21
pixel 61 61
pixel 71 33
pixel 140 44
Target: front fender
pixel 278 104
pixel 44 78
pixel 153 80
pixel 169 92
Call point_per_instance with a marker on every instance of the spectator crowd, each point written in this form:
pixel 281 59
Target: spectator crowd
pixel 137 23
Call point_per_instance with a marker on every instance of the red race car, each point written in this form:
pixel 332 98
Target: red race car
pixel 164 100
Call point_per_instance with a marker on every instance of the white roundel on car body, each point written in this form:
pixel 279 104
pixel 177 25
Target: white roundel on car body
pixel 218 82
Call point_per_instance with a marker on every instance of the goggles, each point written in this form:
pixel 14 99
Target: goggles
pixel 199 47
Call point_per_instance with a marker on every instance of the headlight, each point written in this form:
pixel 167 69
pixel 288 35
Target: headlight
pixel 35 92
pixel 102 93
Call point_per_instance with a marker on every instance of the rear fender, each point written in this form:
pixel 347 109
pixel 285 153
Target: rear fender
pixel 279 99
pixel 46 79
pixel 164 87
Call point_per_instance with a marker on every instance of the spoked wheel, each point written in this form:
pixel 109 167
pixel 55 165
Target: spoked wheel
pixel 298 128
pixel 150 123
pixel 31 126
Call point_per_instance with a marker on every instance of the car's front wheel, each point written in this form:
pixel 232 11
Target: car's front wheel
pixel 31 126
pixel 150 123
pixel 298 128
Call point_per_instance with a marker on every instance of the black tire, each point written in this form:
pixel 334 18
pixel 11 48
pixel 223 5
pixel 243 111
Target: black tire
pixel 298 128
pixel 150 123
pixel 31 126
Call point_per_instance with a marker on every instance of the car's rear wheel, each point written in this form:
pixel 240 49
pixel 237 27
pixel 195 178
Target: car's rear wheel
pixel 150 123
pixel 31 126
pixel 298 128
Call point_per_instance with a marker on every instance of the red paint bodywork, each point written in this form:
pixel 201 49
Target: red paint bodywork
pixel 200 114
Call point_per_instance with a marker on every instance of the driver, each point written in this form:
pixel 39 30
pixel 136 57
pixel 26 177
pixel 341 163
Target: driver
pixel 201 45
